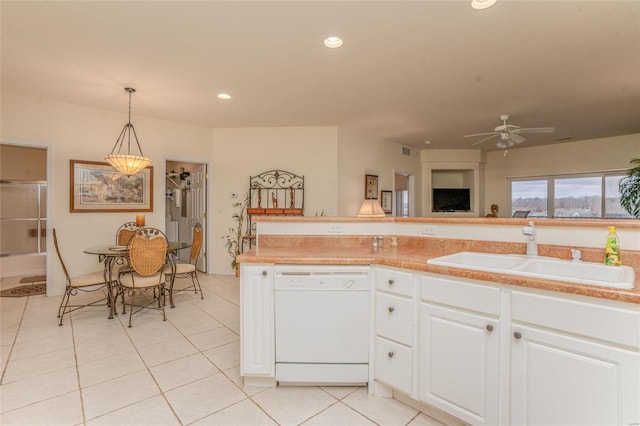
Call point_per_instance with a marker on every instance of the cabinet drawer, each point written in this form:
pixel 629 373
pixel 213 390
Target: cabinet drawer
pixel 394 281
pixel 608 323
pixel 394 318
pixel 393 365
pixel 461 294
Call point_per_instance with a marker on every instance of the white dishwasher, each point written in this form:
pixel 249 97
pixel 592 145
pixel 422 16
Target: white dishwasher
pixel 322 324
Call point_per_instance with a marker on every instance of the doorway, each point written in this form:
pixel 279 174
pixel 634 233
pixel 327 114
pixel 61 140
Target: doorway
pixel 23 213
pixel 186 205
pixel 403 185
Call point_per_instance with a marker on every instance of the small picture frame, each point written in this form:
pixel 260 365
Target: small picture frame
pixel 386 201
pixel 371 187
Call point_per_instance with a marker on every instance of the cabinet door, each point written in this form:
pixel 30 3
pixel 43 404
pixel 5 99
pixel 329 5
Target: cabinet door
pixel 562 380
pixel 459 363
pixel 257 347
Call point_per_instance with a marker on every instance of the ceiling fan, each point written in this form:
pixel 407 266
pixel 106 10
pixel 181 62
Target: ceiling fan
pixel 509 134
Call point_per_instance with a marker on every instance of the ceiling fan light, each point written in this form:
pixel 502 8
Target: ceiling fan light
pixel 502 145
pixel 482 4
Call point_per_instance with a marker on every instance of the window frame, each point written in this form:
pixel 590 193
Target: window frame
pixel 551 180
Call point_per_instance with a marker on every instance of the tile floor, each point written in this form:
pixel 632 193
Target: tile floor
pixel 185 371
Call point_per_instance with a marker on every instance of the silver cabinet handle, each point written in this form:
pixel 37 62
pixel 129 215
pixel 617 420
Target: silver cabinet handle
pixel 392 281
pixel 390 354
pixel 264 273
pixel 489 327
pixel 391 309
pixel 517 334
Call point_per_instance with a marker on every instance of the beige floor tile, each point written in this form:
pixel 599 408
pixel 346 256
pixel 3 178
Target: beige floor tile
pixel 39 364
pixel 97 348
pixel 193 320
pixel 339 415
pixel 117 393
pixel 149 331
pixel 293 405
pixel 39 388
pixel 182 371
pixel 243 413
pixel 203 397
pixel 42 331
pixel 166 351
pixel 225 356
pixel 424 420
pixel 213 338
pixel 234 375
pixel 384 411
pixel 105 369
pixel 150 412
pixel 29 348
pixel 62 410
pixel 340 392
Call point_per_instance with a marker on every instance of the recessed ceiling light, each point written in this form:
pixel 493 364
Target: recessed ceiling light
pixel 333 42
pixel 482 4
pixel 224 96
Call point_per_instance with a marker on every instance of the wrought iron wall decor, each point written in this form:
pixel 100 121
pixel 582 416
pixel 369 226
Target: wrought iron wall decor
pixel 275 192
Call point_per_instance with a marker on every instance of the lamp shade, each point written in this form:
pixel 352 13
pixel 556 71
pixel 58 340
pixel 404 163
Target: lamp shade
pixel 127 164
pixel 371 208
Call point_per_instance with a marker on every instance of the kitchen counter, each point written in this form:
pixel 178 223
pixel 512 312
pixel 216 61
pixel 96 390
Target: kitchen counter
pixel 413 257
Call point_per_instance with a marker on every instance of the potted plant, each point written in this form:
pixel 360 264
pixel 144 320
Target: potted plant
pixel 233 239
pixel 629 187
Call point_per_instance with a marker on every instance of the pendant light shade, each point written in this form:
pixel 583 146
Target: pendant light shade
pixel 128 164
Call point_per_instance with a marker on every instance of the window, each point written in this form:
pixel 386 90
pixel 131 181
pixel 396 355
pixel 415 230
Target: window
pixel 529 195
pixel 579 197
pixel 593 195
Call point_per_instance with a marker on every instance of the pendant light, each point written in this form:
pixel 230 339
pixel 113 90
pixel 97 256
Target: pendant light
pixel 127 164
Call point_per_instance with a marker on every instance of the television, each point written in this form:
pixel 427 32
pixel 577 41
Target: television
pixel 451 200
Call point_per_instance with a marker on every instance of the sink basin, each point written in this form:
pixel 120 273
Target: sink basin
pixel 542 267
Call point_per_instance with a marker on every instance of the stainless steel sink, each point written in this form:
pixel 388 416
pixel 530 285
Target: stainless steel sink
pixel 589 273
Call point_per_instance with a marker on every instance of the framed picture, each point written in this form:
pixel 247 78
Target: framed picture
pixel 97 187
pixel 371 187
pixel 386 201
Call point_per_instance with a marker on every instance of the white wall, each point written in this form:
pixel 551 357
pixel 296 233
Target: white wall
pixel 240 153
pixel 359 155
pixel 81 133
pixel 591 155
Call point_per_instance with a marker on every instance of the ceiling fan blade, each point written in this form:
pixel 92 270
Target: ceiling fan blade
pixel 480 134
pixel 516 138
pixel 485 139
pixel 536 130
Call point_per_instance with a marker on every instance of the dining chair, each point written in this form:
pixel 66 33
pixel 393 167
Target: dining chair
pixel 125 232
pixel 147 256
pixel 179 270
pixel 85 283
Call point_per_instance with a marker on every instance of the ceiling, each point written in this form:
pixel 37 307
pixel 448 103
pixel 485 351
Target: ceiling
pixel 409 71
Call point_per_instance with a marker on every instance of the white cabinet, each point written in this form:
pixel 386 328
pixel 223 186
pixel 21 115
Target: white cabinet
pixel 573 362
pixel 394 328
pixel 257 343
pixel 459 348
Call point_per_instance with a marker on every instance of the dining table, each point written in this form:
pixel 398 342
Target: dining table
pixel 111 255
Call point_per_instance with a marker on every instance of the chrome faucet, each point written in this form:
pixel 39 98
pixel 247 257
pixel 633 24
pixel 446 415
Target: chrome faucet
pixel 532 244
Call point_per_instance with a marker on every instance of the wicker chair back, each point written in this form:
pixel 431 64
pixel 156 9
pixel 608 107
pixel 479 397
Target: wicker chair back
pixel 148 251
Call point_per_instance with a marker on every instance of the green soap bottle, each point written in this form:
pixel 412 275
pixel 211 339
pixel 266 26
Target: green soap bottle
pixel 612 249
